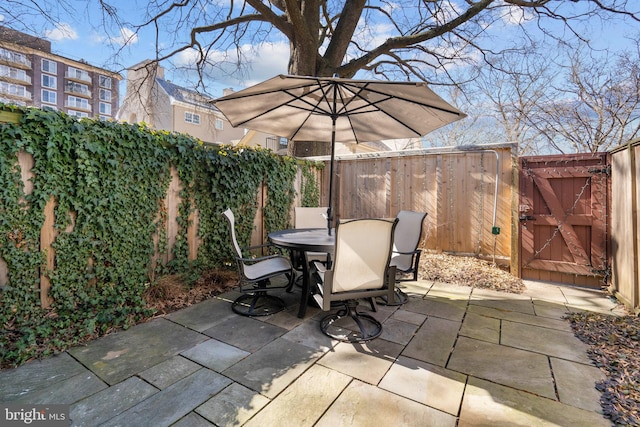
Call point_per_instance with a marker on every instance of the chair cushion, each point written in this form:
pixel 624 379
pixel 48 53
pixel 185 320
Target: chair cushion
pixel 310 217
pixel 267 267
pixel 362 255
pixel 401 261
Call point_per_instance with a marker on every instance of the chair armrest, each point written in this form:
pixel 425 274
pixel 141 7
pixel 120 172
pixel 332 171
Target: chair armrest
pixel 416 251
pixel 250 248
pixel 319 266
pixel 257 259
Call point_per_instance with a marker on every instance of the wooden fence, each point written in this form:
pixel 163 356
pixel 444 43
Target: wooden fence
pixel 466 192
pixel 625 223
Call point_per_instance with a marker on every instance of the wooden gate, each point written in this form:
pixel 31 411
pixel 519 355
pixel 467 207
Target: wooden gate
pixel 563 210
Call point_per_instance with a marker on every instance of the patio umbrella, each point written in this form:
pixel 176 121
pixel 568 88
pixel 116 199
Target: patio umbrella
pixel 331 109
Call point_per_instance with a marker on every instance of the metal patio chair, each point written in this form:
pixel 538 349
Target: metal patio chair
pixel 306 217
pixel 406 253
pixel 255 275
pixel 360 269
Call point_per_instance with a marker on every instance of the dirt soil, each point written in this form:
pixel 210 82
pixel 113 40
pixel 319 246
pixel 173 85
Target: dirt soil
pixel 171 294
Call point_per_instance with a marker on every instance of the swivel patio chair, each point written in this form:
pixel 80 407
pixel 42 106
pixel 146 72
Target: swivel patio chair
pixel 406 254
pixel 309 218
pixel 255 274
pixel 360 270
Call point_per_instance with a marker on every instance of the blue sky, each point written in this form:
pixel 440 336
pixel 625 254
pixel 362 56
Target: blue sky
pixel 79 35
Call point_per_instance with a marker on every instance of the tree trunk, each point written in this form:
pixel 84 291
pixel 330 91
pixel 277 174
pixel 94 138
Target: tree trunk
pixel 309 148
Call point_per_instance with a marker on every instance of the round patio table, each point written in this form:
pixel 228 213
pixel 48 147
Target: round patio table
pixel 299 241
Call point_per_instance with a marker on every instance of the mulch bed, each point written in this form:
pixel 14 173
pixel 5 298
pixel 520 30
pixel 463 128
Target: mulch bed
pixel 171 293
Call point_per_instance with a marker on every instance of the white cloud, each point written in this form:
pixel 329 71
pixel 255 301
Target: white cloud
pixel 126 38
pixel 61 32
pixel 259 63
pixel 515 15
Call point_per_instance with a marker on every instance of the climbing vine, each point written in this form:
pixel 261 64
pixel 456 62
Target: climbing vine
pixel 309 186
pixel 108 181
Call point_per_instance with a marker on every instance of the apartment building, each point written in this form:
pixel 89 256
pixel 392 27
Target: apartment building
pixel 31 75
pixel 163 105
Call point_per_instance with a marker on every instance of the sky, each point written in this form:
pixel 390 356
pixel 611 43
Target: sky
pixel 78 35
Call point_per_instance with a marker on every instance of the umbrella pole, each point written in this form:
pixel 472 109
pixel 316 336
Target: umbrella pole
pixel 333 152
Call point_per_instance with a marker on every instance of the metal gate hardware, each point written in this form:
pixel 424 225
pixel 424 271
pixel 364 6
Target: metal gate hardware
pixel 605 170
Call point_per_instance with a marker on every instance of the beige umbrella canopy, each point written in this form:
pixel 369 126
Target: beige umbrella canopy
pixel 334 109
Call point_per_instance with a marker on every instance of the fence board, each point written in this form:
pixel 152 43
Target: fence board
pixel 172 204
pixel 624 237
pixel 48 235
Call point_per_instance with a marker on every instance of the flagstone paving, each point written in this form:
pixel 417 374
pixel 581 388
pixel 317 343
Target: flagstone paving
pixel 451 355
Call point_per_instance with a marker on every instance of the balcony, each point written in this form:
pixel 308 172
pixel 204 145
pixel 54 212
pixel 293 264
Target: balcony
pixel 10 91
pixel 78 75
pixel 78 106
pixel 14 75
pixel 14 58
pixel 77 89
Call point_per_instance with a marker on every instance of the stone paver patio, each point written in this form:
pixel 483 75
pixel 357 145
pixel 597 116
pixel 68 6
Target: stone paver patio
pixel 450 356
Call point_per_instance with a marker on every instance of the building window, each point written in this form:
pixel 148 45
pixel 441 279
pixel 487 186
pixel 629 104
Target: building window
pixel 49 96
pixel 49 66
pixel 192 118
pixel 78 114
pixel 105 82
pixel 74 101
pixel 105 108
pixel 49 81
pixel 105 95
pixel 219 124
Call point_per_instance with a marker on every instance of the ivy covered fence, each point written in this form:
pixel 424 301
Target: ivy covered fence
pixel 103 187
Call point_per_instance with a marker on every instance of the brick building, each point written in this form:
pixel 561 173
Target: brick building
pixel 31 75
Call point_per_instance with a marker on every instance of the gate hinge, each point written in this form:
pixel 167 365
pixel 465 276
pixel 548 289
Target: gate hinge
pixel 605 170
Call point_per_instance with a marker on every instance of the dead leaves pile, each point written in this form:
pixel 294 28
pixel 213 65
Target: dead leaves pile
pixel 614 347
pixel 171 293
pixel 467 271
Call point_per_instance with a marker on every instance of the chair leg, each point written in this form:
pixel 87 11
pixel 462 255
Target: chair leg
pixel 369 327
pixel 258 302
pixel 292 280
pixel 399 298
